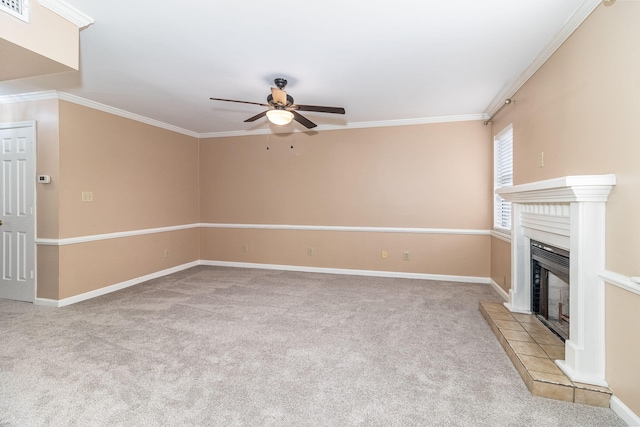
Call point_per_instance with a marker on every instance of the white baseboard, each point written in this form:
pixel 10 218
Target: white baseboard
pixel 345 271
pixel 373 273
pixel 112 288
pixel 623 411
pixel 499 290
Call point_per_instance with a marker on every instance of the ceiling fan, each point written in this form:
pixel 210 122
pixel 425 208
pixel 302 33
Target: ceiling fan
pixel 282 109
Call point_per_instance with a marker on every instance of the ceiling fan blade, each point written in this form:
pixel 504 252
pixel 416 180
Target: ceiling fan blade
pixel 240 102
pixel 319 109
pixel 279 96
pixel 303 120
pixel 256 117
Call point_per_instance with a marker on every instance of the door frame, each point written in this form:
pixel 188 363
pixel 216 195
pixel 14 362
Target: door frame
pixel 32 125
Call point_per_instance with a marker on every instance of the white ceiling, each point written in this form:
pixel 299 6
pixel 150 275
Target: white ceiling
pixel 406 60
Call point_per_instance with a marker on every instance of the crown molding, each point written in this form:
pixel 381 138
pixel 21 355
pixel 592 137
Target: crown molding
pixel 416 121
pixel 68 12
pixel 63 96
pixel 27 97
pixel 356 125
pixel 122 113
pixel 578 17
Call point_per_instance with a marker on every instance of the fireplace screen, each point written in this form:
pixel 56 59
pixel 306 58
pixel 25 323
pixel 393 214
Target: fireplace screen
pixel 550 287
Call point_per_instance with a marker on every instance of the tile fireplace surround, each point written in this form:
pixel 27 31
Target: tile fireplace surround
pixel 569 213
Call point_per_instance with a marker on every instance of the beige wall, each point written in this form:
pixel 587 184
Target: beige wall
pixel 48 43
pixel 501 263
pixel 623 342
pixel 427 176
pixel 89 266
pixel 455 255
pixel 141 177
pixel 581 109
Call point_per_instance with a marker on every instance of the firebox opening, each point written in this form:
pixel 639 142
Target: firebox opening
pixel 550 287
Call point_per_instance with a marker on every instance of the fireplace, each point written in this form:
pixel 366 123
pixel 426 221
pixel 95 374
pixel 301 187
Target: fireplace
pixel 567 214
pixel 550 276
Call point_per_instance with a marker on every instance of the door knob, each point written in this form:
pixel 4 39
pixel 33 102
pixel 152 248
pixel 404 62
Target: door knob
pixel 0 222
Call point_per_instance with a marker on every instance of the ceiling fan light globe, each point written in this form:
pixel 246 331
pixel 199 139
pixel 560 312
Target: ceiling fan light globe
pixel 280 117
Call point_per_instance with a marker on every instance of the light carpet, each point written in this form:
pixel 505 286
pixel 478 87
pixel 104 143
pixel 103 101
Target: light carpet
pixel 213 346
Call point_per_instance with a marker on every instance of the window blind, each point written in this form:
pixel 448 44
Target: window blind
pixel 503 176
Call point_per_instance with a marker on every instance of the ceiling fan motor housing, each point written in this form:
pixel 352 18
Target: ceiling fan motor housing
pixel 280 83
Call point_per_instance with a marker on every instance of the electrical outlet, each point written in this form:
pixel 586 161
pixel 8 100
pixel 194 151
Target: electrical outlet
pixel 541 159
pixel 384 254
pixel 245 247
pixel 166 253
pixel 309 251
pixel 405 255
pixel 87 196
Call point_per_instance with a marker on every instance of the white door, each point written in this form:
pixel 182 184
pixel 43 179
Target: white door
pixel 17 206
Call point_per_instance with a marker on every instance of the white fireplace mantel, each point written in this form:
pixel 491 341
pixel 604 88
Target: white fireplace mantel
pixel 580 188
pixel 567 212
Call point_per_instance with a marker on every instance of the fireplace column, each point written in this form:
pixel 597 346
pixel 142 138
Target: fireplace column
pixel 520 292
pixel 585 349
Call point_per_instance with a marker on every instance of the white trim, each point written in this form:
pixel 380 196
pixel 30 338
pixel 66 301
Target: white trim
pixel 561 36
pixel 350 272
pixel 620 281
pixel 112 288
pixel 570 26
pixel 350 228
pixel 62 96
pixel 122 113
pixel 356 125
pixel 46 95
pixel 68 12
pixel 131 233
pixel 568 212
pixel 14 125
pixel 499 290
pixel 500 235
pixel 371 273
pixel 573 373
pixel 581 188
pixel 624 412
pixel 118 235
pixel 27 97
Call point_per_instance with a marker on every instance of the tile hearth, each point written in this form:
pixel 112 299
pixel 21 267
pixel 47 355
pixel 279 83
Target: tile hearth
pixel 532 348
